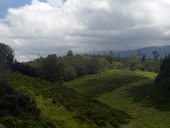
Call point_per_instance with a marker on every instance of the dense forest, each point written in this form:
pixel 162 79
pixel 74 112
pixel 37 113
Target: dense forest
pixel 22 85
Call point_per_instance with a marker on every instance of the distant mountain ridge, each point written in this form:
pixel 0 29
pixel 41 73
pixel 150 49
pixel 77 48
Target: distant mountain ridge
pixel 163 50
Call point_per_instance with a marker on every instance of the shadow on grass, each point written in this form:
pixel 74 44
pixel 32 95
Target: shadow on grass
pixel 145 94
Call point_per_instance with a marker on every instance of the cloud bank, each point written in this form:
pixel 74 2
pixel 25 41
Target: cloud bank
pixel 56 26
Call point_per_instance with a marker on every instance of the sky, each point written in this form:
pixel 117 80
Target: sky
pixel 42 27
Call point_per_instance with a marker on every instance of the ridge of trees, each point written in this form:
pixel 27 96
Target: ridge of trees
pixel 72 66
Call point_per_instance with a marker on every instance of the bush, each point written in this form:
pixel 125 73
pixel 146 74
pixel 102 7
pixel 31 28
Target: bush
pixel 16 104
pixel 87 109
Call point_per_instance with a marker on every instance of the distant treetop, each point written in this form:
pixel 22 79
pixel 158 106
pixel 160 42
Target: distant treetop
pixel 69 53
pixel 6 54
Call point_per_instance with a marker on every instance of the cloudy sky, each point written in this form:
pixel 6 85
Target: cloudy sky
pixel 33 27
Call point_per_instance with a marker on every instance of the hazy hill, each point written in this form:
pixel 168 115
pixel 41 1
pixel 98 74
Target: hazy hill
pixel 163 50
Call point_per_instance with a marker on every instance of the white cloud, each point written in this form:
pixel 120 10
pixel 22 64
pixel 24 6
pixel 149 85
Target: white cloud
pixel 58 3
pixel 56 26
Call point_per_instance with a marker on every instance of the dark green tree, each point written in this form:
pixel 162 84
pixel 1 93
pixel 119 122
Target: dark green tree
pixel 6 60
pixel 161 88
pixel 6 54
pixel 143 59
pixel 155 55
pixel 164 69
pixel 51 65
pixel 70 53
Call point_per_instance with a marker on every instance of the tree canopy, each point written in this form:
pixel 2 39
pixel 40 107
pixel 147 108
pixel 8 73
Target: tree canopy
pixel 6 54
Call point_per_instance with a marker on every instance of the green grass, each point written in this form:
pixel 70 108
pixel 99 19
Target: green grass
pixel 144 117
pixel 107 81
pixel 57 113
pixel 66 108
pixel 118 97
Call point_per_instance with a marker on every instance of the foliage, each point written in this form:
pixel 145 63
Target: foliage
pixel 164 69
pixel 70 53
pixel 6 54
pixel 141 93
pixel 86 111
pixel 51 66
pixel 155 55
pixel 144 115
pixel 161 87
pixel 157 93
pixel 92 110
pixel 104 82
pixel 16 104
pixel 68 67
pixel 25 69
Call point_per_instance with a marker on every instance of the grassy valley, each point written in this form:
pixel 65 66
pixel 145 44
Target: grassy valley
pixel 97 84
pixel 118 97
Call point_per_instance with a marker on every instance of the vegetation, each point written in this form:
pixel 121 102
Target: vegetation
pixel 143 116
pixel 72 66
pixel 81 110
pixel 156 93
pixel 15 107
pixel 77 86
pixel 104 82
pixel 6 54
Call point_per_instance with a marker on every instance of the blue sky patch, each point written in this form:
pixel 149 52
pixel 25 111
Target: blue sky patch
pixel 6 4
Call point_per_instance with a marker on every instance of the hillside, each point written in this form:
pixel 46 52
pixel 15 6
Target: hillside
pixel 97 84
pixel 63 108
pixel 118 96
pixel 144 117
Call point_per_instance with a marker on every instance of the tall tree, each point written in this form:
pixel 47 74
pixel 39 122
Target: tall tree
pixel 161 89
pixel 6 53
pixel 164 69
pixel 52 66
pixel 155 55
pixel 6 60
pixel 143 59
pixel 70 53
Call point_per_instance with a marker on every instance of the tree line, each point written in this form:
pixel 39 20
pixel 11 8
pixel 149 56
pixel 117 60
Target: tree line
pixel 70 66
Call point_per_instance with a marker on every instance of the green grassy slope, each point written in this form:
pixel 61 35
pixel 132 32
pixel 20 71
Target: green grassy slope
pixel 144 117
pixel 104 82
pixel 34 88
pixel 65 108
